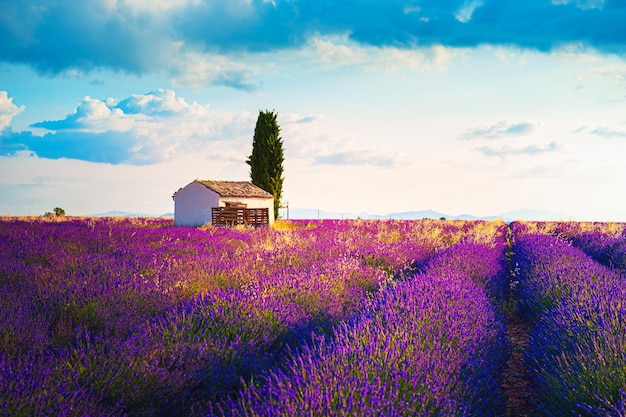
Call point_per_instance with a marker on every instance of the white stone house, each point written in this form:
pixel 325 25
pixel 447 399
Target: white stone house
pixel 222 202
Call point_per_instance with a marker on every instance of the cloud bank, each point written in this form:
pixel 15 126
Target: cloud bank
pixel 145 129
pixel 138 130
pixel 140 37
pixel 8 110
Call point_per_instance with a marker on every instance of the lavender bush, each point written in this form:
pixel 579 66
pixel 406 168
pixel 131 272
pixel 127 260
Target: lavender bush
pixel 431 345
pixel 578 346
pixel 605 242
pixel 605 248
pixel 138 317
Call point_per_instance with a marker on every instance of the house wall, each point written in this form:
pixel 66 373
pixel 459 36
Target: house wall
pixel 252 203
pixel 192 205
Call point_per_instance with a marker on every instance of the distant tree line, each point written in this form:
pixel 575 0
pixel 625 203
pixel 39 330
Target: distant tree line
pixel 56 212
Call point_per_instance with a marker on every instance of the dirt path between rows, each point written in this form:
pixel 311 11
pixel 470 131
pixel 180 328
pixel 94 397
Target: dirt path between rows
pixel 516 381
pixel 516 378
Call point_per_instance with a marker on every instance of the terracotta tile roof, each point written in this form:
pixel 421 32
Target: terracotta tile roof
pixel 240 189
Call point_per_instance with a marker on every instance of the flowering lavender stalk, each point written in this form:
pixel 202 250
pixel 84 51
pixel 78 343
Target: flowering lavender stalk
pixel 144 318
pixel 431 345
pixel 578 346
pixel 604 242
pixel 32 385
pixel 605 248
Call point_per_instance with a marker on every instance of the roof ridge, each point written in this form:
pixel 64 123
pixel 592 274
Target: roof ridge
pixel 227 188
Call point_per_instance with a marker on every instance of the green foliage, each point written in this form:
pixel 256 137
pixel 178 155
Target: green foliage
pixel 266 160
pixel 56 212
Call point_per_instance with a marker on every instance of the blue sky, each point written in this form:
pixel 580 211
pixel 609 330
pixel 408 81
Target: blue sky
pixel 460 106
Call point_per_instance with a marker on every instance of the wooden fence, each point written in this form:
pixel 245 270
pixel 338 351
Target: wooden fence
pixel 232 216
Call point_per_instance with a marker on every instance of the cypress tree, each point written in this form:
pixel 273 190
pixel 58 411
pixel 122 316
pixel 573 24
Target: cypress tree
pixel 266 160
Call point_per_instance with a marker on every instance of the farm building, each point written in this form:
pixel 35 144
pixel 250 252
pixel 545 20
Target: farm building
pixel 222 203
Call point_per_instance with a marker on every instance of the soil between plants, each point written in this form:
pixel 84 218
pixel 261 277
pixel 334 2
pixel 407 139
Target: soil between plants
pixel 516 382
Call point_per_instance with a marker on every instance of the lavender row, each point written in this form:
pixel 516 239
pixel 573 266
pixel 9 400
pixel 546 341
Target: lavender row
pixel 67 265
pixel 431 345
pixel 603 241
pixel 607 249
pixel 567 230
pixel 141 318
pixel 578 346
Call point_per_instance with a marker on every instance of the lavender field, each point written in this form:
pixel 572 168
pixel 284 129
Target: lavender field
pixel 114 317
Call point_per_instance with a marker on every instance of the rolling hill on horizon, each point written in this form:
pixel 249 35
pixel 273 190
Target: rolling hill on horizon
pixel 520 214
pixel 308 213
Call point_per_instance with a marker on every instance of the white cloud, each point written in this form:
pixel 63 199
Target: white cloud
pixel 615 73
pixel 157 102
pixel 502 129
pixel 411 9
pixel 609 132
pixel 504 151
pixel 604 131
pixel 161 126
pixel 141 129
pixel 367 157
pixel 309 138
pixel 8 110
pixel 339 51
pixel 505 54
pixel 305 137
pixel 607 79
pixel 196 69
pixel 464 14
pixel 91 115
pixel 581 4
pixel 148 6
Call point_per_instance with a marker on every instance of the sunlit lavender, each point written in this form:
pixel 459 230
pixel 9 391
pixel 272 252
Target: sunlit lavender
pixel 141 318
pixel 135 317
pixel 578 347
